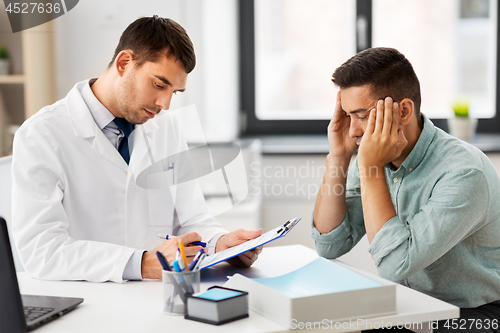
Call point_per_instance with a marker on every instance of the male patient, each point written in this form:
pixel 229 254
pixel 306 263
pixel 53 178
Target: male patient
pixel 78 212
pixel 428 202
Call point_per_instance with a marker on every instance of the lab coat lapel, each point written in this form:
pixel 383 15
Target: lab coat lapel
pixel 143 145
pixel 150 149
pixel 85 127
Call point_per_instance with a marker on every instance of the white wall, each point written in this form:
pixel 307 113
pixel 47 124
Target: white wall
pixel 86 38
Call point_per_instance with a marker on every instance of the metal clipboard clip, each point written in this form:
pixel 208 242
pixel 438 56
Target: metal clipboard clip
pixel 288 226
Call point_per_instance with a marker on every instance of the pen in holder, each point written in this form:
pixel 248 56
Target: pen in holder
pixel 176 287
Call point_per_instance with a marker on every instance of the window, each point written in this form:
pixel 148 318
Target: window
pixel 298 44
pixel 290 48
pixel 452 46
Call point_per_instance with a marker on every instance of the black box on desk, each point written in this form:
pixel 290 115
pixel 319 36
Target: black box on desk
pixel 217 305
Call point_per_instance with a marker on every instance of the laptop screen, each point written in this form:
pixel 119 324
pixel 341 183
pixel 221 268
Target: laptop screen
pixel 11 306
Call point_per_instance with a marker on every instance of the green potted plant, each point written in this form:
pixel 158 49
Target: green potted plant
pixel 462 125
pixel 4 60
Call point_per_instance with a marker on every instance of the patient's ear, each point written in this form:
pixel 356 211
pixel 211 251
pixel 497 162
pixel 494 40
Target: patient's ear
pixel 407 109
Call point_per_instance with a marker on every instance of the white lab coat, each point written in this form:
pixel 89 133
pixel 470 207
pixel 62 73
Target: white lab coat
pixel 78 212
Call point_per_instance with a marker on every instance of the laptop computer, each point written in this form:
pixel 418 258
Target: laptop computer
pixel 21 313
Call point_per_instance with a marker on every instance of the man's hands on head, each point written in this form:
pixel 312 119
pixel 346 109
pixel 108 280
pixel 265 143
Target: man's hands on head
pixel 150 266
pixel 382 143
pixel 330 207
pixel 341 145
pixel 383 140
pixel 235 238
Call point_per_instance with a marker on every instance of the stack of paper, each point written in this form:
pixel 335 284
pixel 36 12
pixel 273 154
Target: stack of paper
pixel 321 290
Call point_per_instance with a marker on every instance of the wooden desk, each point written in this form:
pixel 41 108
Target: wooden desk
pixel 136 306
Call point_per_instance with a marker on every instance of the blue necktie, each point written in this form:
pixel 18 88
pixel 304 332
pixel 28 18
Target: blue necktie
pixel 126 128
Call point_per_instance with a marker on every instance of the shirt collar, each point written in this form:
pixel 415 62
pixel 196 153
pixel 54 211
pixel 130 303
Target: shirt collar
pixel 101 115
pixel 418 152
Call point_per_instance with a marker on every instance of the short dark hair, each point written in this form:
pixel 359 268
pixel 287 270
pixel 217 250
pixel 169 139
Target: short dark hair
pixel 386 70
pixel 148 37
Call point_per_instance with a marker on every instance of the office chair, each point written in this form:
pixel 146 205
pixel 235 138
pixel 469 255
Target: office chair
pixel 6 203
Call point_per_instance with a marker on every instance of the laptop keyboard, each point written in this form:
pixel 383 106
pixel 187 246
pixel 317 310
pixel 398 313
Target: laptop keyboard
pixel 32 313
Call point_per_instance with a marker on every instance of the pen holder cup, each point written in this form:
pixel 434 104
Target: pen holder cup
pixel 177 286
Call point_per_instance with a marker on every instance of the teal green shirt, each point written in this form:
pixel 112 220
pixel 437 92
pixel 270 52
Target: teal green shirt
pixel 445 239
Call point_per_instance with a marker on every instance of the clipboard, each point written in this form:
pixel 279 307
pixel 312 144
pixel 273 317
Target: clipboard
pixel 234 251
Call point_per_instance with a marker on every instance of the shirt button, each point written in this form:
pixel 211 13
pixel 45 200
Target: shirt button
pixel 395 179
pixel 411 169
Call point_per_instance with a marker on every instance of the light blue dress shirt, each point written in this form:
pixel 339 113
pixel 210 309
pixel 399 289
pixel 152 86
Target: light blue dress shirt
pixel 445 239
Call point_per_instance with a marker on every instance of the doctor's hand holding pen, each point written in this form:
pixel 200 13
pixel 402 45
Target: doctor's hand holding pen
pixel 150 266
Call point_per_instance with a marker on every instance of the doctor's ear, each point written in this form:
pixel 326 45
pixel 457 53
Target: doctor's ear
pixel 123 60
pixel 407 108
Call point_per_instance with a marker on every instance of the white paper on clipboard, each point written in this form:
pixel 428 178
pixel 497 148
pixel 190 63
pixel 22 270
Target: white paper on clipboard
pixel 234 251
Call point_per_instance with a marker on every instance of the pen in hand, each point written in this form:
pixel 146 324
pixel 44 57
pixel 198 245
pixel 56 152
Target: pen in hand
pixel 197 243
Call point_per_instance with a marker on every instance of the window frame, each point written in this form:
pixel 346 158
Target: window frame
pixel 251 125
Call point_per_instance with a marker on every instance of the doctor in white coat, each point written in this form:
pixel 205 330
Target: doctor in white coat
pixel 79 212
